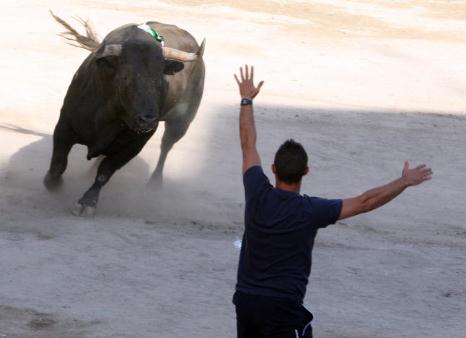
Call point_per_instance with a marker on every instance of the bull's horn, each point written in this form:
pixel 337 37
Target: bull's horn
pixel 178 55
pixel 110 50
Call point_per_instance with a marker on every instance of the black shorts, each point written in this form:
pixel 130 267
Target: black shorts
pixel 267 317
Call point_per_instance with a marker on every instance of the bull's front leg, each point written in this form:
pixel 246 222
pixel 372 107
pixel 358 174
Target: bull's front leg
pixel 107 135
pixel 87 204
pixel 63 139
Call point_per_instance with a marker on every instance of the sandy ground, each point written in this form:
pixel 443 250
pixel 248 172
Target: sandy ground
pixel 363 85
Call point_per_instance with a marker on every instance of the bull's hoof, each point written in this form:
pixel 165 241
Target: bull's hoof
pixel 82 210
pixel 155 182
pixel 51 182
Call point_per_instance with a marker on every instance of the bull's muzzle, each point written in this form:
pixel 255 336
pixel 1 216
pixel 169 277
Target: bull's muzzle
pixel 146 122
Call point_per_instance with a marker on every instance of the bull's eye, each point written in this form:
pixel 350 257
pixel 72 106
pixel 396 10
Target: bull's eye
pixel 107 64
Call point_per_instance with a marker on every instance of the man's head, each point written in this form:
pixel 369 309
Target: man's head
pixel 290 163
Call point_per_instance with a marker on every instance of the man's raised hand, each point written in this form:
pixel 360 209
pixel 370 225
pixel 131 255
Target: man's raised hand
pixel 247 89
pixel 416 175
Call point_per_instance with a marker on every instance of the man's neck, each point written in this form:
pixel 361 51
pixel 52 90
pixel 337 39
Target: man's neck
pixel 294 187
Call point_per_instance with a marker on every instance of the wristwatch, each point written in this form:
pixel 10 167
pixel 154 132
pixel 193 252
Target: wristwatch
pixel 245 101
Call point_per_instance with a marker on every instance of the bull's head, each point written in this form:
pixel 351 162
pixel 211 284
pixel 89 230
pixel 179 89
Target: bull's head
pixel 132 75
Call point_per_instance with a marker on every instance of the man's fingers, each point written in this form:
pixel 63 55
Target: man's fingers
pixel 421 166
pixel 257 89
pixel 423 173
pixel 246 80
pixel 417 175
pixel 428 173
pixel 236 78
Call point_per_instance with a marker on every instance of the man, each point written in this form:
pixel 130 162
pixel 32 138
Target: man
pixel 280 227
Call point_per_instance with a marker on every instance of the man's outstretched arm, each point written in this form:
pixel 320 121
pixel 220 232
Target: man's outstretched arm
pixel 247 128
pixel 377 197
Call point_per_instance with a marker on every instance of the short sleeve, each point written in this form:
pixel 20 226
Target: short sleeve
pixel 254 180
pixel 325 211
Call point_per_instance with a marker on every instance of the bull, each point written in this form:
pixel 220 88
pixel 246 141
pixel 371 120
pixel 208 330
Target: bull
pixel 136 77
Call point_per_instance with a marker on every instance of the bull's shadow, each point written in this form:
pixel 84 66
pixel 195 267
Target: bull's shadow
pixel 28 165
pixel 193 199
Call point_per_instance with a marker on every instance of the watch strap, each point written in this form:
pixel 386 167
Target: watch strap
pixel 246 102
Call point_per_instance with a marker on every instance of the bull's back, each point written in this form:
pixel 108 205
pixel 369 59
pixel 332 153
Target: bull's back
pixel 175 37
pixel 186 85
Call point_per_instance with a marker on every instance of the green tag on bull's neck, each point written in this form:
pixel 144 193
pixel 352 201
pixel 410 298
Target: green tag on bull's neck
pixel 145 27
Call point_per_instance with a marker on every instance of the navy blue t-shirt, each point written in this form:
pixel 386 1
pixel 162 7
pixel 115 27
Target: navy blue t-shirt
pixel 280 227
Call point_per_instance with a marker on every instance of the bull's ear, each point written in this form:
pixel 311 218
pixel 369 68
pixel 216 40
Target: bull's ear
pixel 172 67
pixel 107 55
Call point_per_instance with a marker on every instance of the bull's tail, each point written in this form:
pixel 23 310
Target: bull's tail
pixel 90 41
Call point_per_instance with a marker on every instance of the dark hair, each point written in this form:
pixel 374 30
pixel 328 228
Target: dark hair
pixel 290 162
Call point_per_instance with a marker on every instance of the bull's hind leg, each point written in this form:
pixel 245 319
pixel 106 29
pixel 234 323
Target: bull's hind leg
pixel 63 139
pixel 87 204
pixel 176 128
pixel 174 131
